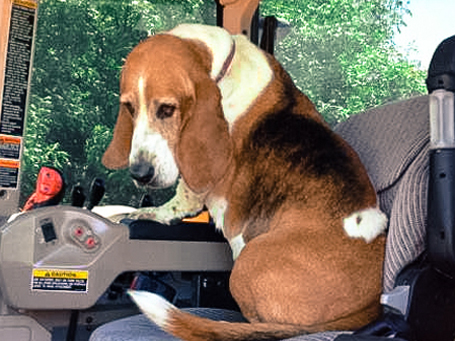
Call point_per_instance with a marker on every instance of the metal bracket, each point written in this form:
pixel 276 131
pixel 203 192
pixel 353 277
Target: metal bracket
pixel 397 299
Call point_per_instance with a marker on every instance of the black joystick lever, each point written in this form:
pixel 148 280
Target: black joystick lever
pixel 97 190
pixel 78 196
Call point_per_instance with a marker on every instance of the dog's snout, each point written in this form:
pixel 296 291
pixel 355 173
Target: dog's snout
pixel 142 172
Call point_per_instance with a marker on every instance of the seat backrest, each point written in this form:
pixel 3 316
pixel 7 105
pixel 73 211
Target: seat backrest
pixel 392 141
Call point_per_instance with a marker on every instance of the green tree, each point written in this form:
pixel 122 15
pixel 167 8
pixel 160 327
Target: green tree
pixel 341 53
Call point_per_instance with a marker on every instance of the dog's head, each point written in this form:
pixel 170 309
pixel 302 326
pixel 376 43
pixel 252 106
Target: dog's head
pixel 170 120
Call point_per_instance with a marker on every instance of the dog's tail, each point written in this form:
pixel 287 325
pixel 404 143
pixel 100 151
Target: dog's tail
pixel 194 328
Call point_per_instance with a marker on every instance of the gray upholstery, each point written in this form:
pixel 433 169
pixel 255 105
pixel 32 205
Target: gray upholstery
pixel 139 328
pixel 392 142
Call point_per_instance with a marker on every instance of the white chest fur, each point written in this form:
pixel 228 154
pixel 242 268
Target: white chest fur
pixel 249 75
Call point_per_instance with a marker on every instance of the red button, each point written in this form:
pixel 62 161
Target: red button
pixel 78 231
pixel 90 242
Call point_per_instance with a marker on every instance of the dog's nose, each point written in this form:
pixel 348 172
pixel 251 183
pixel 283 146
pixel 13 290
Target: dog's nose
pixel 142 172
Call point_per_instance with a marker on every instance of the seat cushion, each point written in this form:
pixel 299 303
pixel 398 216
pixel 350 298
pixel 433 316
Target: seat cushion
pixel 388 138
pixel 139 328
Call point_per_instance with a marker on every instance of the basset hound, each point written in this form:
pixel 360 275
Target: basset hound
pixel 223 118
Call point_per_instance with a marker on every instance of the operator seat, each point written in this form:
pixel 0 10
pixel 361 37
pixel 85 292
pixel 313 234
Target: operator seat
pixel 392 142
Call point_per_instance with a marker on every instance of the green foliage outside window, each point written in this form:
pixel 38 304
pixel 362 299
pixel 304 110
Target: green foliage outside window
pixel 339 52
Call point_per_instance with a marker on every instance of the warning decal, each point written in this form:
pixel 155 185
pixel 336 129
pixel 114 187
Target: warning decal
pixel 60 280
pixel 14 95
pixel 10 147
pixel 9 173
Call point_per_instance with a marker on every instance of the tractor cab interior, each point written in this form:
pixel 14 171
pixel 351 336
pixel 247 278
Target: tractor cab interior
pixel 65 269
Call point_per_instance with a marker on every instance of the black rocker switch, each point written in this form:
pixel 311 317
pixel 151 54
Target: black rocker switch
pixel 47 227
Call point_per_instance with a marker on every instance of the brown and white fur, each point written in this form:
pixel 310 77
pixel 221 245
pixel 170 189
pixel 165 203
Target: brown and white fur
pixel 223 118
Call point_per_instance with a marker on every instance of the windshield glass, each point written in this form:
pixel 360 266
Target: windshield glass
pixel 340 53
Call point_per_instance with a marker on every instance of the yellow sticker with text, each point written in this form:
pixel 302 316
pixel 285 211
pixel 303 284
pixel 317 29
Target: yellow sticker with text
pixel 60 280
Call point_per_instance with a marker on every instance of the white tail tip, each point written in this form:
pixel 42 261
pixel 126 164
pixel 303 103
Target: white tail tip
pixel 367 224
pixel 153 306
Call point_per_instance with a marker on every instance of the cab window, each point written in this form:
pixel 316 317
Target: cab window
pixel 340 53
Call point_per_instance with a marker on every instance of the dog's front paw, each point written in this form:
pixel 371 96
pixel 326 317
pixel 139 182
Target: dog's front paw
pixel 154 213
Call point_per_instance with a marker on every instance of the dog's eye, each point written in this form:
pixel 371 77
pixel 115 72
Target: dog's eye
pixel 129 107
pixel 165 111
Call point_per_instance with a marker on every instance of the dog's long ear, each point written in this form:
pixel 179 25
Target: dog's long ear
pixel 204 147
pixel 117 153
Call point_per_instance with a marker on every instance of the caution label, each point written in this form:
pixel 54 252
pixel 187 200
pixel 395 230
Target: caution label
pixel 9 173
pixel 10 147
pixel 60 280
